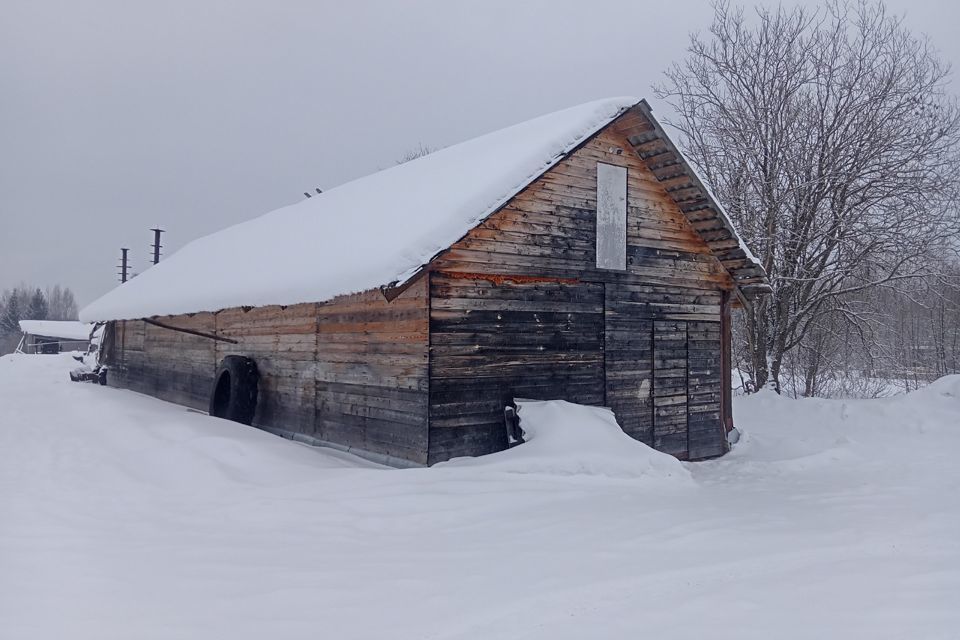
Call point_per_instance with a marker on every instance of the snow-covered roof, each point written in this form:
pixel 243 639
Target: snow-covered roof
pixel 363 234
pixel 374 231
pixel 69 329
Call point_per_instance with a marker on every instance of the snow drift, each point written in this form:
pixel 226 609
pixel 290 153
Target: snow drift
pixel 122 516
pixel 562 438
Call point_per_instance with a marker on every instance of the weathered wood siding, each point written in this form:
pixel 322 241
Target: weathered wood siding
pixel 493 341
pixel 173 366
pixel 350 372
pixel 519 309
pixel 372 373
pixel 283 343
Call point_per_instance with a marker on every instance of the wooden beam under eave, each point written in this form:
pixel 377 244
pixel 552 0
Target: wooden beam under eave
pixel 643 138
pixel 715 234
pixel 690 194
pixel 680 180
pixel 632 126
pixel 709 224
pixel 727 244
pixel 651 149
pixel 698 213
pixel 660 159
pixel 392 291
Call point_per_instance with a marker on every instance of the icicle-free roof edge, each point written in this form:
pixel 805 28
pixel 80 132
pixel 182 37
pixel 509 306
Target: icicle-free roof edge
pixel 378 231
pixel 375 230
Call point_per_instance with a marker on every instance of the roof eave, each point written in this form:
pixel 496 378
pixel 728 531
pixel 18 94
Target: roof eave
pixel 760 284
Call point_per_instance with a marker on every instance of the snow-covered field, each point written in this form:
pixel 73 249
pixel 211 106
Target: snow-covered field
pixel 125 517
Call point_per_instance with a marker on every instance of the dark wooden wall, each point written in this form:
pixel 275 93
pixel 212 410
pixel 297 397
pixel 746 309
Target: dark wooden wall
pixel 350 372
pixel 491 341
pixel 174 366
pixel 519 309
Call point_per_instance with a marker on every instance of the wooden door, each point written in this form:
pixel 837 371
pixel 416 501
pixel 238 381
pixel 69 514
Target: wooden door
pixel 706 436
pixel 663 376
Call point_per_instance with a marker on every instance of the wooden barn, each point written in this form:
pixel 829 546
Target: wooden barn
pixel 575 256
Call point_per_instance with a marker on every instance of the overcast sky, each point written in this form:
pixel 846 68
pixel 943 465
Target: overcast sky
pixel 119 116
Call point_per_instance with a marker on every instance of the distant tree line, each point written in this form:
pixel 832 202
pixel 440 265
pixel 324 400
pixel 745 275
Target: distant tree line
pixel 832 137
pixel 32 303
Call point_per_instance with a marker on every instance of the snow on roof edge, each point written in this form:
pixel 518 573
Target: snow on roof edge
pixel 498 204
pixel 706 188
pixel 594 117
pixel 71 329
pixel 723 212
pixel 376 231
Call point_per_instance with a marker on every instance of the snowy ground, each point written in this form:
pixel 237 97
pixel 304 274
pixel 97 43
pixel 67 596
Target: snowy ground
pixel 125 517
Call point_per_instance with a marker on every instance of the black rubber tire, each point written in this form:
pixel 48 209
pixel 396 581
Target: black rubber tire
pixel 234 392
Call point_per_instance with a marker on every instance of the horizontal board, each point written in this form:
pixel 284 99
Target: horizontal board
pixel 352 371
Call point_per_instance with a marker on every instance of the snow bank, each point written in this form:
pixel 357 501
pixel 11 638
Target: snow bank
pixel 68 329
pixel 563 438
pixel 841 437
pixel 122 516
pixel 360 235
pixel 943 389
pixel 172 449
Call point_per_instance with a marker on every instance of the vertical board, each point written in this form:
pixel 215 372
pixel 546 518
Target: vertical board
pixel 628 353
pixel 611 216
pixel 670 386
pixel 706 436
pixel 726 387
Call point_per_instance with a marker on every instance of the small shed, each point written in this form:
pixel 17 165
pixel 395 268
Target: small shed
pixel 575 256
pixel 54 336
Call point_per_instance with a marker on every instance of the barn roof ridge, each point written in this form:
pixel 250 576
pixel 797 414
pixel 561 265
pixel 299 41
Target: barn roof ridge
pixel 358 236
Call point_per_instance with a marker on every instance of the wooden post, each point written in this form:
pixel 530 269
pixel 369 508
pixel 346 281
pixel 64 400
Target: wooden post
pixel 123 264
pixel 726 392
pixel 156 245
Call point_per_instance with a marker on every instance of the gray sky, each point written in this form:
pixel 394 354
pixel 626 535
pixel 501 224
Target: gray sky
pixel 119 116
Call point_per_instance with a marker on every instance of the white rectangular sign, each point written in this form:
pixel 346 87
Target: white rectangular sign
pixel 611 216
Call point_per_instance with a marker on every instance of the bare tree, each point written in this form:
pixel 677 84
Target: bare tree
pixel 831 138
pixel 417 152
pixel 63 304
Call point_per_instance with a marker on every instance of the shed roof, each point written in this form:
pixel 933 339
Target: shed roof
pixel 374 231
pixel 68 329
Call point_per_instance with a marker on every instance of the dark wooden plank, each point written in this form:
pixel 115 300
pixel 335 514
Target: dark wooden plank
pixel 495 340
